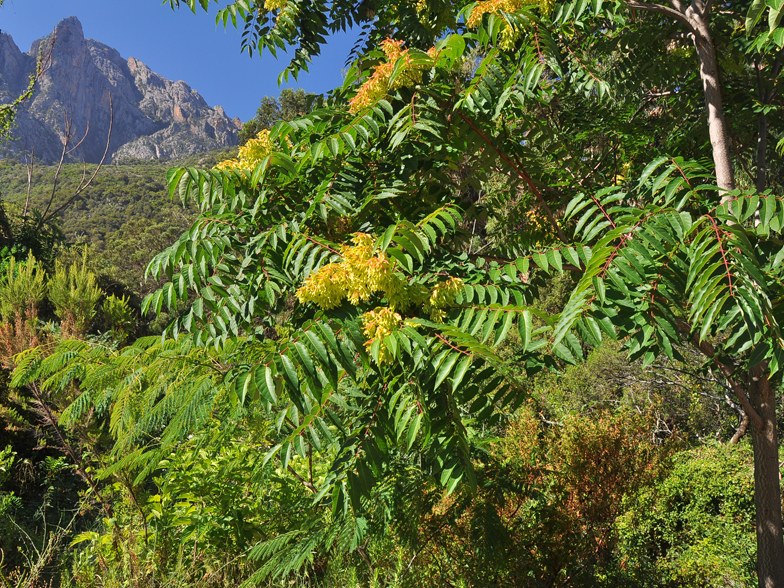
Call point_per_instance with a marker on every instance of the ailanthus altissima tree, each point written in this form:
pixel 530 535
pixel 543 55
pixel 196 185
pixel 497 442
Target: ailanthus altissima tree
pixel 335 259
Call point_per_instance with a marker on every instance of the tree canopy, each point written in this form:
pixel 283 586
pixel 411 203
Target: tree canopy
pixel 358 273
pixel 288 106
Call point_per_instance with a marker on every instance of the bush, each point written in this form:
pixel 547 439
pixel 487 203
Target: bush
pixel 74 294
pixel 695 528
pixel 22 289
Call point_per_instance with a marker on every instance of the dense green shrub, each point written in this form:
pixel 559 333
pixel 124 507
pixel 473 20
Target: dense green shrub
pixel 22 289
pixel 74 294
pixel 696 527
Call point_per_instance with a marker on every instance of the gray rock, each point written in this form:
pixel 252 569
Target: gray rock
pixel 154 118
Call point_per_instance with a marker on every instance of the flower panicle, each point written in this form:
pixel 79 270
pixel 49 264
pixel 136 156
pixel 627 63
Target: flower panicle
pixel 443 296
pixel 363 272
pixel 510 34
pixel 250 154
pixel 378 84
pixel 378 324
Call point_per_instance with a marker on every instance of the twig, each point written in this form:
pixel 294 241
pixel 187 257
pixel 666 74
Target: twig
pixel 418 551
pixel 521 173
pixel 83 185
pixel 49 419
pixel 30 168
pixel 302 480
pixel 728 372
pixel 67 126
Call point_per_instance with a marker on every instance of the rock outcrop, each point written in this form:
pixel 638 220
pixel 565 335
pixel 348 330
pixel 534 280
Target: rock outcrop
pixel 153 118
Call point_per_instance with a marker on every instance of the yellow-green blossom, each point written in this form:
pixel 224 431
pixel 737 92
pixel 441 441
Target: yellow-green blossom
pixel 380 323
pixel 377 85
pixel 250 154
pixel 509 34
pixel 364 272
pixel 357 277
pixel 443 296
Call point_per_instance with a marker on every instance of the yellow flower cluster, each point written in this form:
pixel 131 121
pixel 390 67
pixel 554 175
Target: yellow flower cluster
pixel 620 177
pixel 361 274
pixel 379 323
pixel 377 85
pixel 357 278
pixel 442 296
pixel 250 154
pixel 435 16
pixel 509 34
pixel 271 5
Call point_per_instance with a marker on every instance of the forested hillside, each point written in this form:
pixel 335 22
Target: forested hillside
pixel 503 309
pixel 126 216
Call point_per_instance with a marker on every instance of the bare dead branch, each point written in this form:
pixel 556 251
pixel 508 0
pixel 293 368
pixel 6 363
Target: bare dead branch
pixel 83 185
pixel 30 168
pixel 45 59
pixel 67 128
pixel 87 130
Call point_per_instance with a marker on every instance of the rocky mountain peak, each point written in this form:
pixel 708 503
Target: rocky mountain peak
pixel 13 64
pixel 153 118
pixel 69 32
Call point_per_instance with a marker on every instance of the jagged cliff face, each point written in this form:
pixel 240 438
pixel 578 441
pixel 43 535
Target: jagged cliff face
pixel 154 118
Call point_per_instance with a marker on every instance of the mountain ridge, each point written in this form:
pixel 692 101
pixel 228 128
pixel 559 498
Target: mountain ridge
pixel 153 117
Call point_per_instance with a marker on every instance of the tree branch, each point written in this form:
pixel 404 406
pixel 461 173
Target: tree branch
pixel 777 64
pixel 302 480
pixel 728 372
pixel 82 184
pixel 49 419
pixel 706 9
pixel 520 172
pixel 744 421
pixel 661 9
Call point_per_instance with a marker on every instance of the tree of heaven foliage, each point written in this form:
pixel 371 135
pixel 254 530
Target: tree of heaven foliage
pixel 335 256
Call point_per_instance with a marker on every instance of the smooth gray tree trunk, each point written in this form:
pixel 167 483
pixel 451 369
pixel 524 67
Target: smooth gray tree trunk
pixel 717 124
pixel 696 17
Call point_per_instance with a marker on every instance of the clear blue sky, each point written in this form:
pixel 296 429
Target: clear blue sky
pixel 178 45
